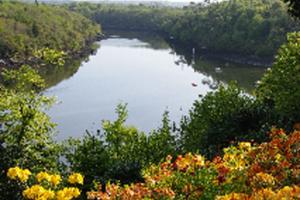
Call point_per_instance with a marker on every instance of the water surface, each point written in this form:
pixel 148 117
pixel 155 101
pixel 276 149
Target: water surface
pixel 143 71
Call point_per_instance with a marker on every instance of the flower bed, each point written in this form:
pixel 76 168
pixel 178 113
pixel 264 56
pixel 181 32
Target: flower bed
pixel 266 171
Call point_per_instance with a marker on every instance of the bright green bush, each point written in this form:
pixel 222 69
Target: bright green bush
pixel 280 87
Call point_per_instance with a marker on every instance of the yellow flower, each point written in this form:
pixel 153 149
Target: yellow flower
pixel 263 180
pixel 67 193
pixel 24 176
pixel 278 158
pixel 245 145
pixel 199 160
pixel 49 194
pixel 13 173
pixel 55 179
pixel 265 193
pixel 43 176
pixel 76 178
pixel 37 192
pixel 18 173
pixel 232 196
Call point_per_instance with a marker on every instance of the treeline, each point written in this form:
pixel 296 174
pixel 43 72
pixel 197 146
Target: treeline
pixel 247 27
pixel 28 28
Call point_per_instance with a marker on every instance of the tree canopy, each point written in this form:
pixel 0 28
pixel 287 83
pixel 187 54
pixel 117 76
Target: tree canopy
pixel 26 28
pixel 248 27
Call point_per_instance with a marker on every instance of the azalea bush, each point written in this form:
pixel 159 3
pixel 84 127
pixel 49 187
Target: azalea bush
pixel 45 186
pixel 246 171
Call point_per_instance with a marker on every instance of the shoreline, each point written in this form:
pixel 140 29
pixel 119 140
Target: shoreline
pixel 33 62
pixel 251 60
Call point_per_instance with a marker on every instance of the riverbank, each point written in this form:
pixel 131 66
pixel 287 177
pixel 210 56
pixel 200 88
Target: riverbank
pixel 32 61
pixel 242 59
pixel 27 30
pixel 190 51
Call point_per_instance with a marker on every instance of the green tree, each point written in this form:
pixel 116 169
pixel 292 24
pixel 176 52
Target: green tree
pixel 120 152
pixel 26 28
pixel 219 118
pixel 244 27
pixel 26 131
pixel 280 86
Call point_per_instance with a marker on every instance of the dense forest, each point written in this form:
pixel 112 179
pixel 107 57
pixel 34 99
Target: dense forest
pixel 245 27
pixel 29 30
pixel 244 153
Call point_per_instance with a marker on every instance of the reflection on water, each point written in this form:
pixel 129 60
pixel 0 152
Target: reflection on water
pixel 246 76
pixel 55 74
pixel 219 70
pixel 141 70
pixel 145 39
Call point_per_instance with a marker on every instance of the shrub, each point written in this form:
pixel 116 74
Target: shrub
pixel 45 186
pixel 280 87
pixel 222 117
pixel 87 156
pixel 121 152
pixel 266 171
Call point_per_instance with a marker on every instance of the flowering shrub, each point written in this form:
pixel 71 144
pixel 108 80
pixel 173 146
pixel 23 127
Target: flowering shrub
pixel 47 186
pixel 266 171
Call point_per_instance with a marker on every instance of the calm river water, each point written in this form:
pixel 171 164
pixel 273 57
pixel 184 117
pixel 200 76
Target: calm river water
pixel 141 70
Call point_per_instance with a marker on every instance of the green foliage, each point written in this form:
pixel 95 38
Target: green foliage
pixel 280 87
pixel 50 56
pixel 249 27
pixel 26 131
pixel 124 142
pixel 88 155
pixel 220 118
pixel 24 79
pixel 121 152
pixel 26 28
pixel 161 141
